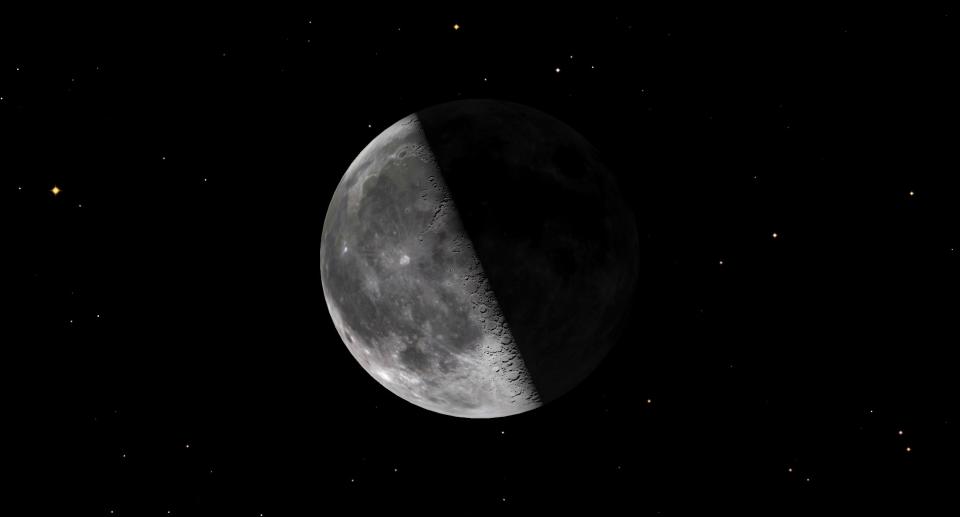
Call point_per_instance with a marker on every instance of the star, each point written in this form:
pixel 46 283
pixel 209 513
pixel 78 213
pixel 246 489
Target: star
pixel 456 26
pixel 774 235
pixel 55 190
pixel 911 193
pixel 908 449
pixel 558 70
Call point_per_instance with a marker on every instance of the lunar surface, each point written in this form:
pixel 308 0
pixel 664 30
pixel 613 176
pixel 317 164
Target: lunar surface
pixel 425 322
pixel 417 246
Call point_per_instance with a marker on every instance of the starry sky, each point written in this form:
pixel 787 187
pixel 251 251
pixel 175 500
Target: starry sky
pixel 790 345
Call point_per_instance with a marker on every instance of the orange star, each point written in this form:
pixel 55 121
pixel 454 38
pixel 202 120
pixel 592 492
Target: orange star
pixel 55 190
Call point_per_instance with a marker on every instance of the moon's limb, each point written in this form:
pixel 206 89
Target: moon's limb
pixel 406 290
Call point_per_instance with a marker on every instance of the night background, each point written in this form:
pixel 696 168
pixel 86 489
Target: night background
pixel 789 349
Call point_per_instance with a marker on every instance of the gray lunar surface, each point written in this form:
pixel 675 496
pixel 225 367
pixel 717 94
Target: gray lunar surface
pixel 406 290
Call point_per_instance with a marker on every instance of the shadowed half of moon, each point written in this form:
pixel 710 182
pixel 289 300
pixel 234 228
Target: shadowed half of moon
pixel 477 258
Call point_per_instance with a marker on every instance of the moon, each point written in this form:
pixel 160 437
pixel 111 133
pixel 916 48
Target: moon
pixel 476 259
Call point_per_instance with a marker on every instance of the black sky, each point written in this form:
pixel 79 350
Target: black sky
pixel 793 177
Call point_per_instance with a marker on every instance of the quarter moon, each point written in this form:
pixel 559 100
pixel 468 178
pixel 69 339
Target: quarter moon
pixel 406 290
